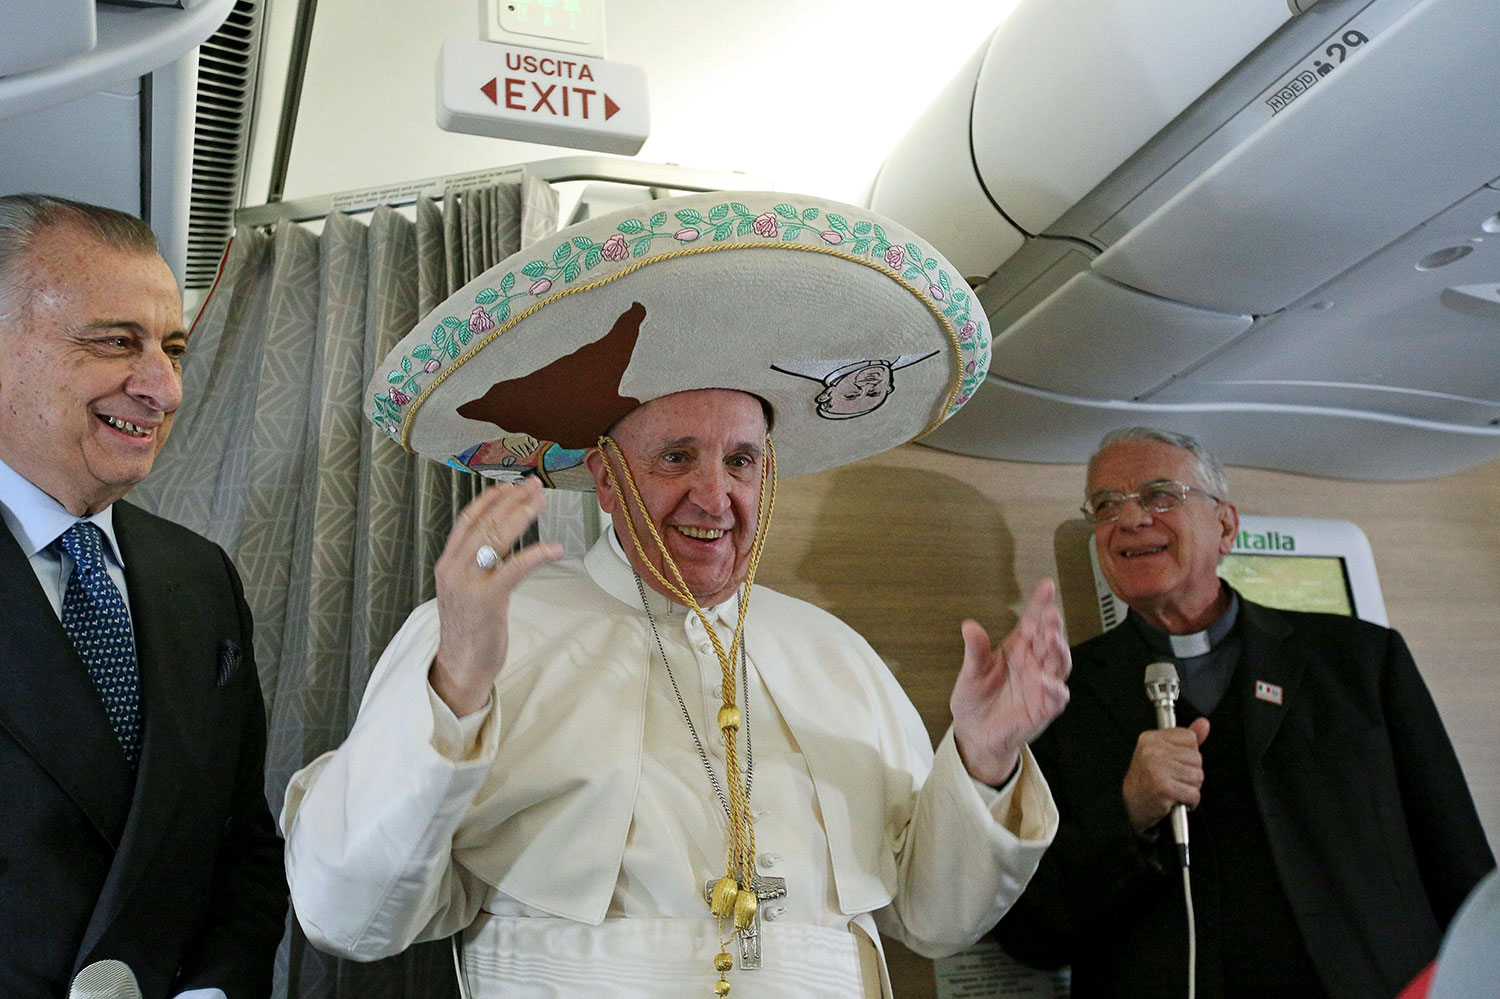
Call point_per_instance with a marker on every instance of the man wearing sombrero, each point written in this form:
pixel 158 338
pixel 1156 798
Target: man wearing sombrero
pixel 636 773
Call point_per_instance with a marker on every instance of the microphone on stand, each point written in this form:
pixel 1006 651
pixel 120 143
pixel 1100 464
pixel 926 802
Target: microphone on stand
pixel 105 980
pixel 1161 690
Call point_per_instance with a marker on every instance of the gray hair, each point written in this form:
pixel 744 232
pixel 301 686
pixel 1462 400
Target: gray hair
pixel 1210 473
pixel 23 217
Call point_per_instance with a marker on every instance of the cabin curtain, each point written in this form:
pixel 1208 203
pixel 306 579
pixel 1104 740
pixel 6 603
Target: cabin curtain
pixel 333 527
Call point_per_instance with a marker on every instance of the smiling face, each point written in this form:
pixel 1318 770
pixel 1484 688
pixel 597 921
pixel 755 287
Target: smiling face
pixel 1164 565
pixel 696 458
pixel 91 341
pixel 856 393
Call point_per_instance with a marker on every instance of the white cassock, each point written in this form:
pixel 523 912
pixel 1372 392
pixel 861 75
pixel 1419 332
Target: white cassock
pixel 570 826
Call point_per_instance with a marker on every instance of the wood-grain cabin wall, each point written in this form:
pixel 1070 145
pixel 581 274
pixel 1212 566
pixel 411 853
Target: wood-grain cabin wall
pixel 904 546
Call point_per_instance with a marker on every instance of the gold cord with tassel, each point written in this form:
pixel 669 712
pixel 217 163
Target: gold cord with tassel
pixel 733 896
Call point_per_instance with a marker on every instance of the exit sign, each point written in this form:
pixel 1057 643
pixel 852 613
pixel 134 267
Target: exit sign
pixel 536 95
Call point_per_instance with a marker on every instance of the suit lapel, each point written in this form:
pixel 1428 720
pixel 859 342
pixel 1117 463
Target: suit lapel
pixel 174 693
pixel 48 702
pixel 1266 657
pixel 1117 678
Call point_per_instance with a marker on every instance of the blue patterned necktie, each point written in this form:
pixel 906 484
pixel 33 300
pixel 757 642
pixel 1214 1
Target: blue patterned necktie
pixel 98 624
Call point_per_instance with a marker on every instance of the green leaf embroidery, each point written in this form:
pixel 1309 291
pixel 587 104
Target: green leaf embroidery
pixel 913 252
pixel 630 227
pixel 745 227
pixel 840 224
pixel 658 219
pixel 454 323
pixel 406 365
pixel 689 216
pixel 502 313
pixel 438 334
pixel 464 335
pixel 591 259
pixel 508 282
pixel 486 296
pixel 395 377
pixel 787 212
pixel 739 209
pixel 421 351
pixel 861 246
pixel 640 248
pixel 912 273
pixel 570 271
pixel 861 228
pixel 930 263
pixel 809 214
pixel 561 253
pixel 791 232
pixel 535 269
pixel 718 213
pixel 722 230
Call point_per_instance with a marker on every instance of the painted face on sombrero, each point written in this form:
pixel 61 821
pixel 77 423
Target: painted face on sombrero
pixel 696 458
pixel 856 393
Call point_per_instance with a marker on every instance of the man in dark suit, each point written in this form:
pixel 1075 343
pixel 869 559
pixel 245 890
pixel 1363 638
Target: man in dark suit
pixel 1332 835
pixel 133 822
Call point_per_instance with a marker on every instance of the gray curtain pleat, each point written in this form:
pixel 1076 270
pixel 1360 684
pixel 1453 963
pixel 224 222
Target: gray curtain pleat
pixel 334 529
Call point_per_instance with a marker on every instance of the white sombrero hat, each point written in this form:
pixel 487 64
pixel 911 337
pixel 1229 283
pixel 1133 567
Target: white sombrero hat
pixel 857 333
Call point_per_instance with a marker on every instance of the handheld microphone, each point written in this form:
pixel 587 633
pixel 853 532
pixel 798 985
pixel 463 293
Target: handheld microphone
pixel 105 980
pixel 1161 690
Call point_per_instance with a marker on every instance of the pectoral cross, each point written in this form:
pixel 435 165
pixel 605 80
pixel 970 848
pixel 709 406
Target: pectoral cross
pixel 765 890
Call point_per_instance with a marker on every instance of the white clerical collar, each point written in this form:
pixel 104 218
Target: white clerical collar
pixel 1199 643
pixel 36 519
pixel 1187 646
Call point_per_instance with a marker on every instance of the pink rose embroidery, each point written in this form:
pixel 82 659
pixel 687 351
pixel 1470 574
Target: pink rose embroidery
pixel 895 256
pixel 935 292
pixel 969 367
pixel 765 225
pixel 480 321
pixel 963 398
pixel 399 397
pixel 390 429
pixel 615 248
pixel 831 238
pixel 686 235
pixel 432 365
pixel 967 330
pixel 541 287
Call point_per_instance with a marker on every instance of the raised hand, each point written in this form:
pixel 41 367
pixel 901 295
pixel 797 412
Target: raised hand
pixel 1165 770
pixel 1006 694
pixel 473 602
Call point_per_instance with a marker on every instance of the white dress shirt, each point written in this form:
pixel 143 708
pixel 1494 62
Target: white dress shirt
pixel 36 520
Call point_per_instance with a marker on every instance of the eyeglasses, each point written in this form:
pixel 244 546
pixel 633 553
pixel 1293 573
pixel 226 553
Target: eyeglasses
pixel 1162 496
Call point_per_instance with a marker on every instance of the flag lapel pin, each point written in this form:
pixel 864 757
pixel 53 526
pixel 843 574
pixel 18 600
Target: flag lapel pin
pixel 1267 692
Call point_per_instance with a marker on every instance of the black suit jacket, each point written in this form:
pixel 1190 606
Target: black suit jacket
pixel 1370 825
pixel 176 870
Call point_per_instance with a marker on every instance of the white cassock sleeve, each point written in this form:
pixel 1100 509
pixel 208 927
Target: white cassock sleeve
pixel 369 827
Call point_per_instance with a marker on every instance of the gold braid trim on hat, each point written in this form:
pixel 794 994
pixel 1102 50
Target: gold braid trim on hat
pixel 734 894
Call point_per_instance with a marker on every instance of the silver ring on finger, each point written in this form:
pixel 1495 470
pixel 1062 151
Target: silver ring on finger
pixel 486 558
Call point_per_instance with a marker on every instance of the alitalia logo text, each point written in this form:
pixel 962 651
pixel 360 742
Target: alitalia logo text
pixel 1270 541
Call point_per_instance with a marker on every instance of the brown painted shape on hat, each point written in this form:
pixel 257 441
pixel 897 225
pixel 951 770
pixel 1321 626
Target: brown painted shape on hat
pixel 572 400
